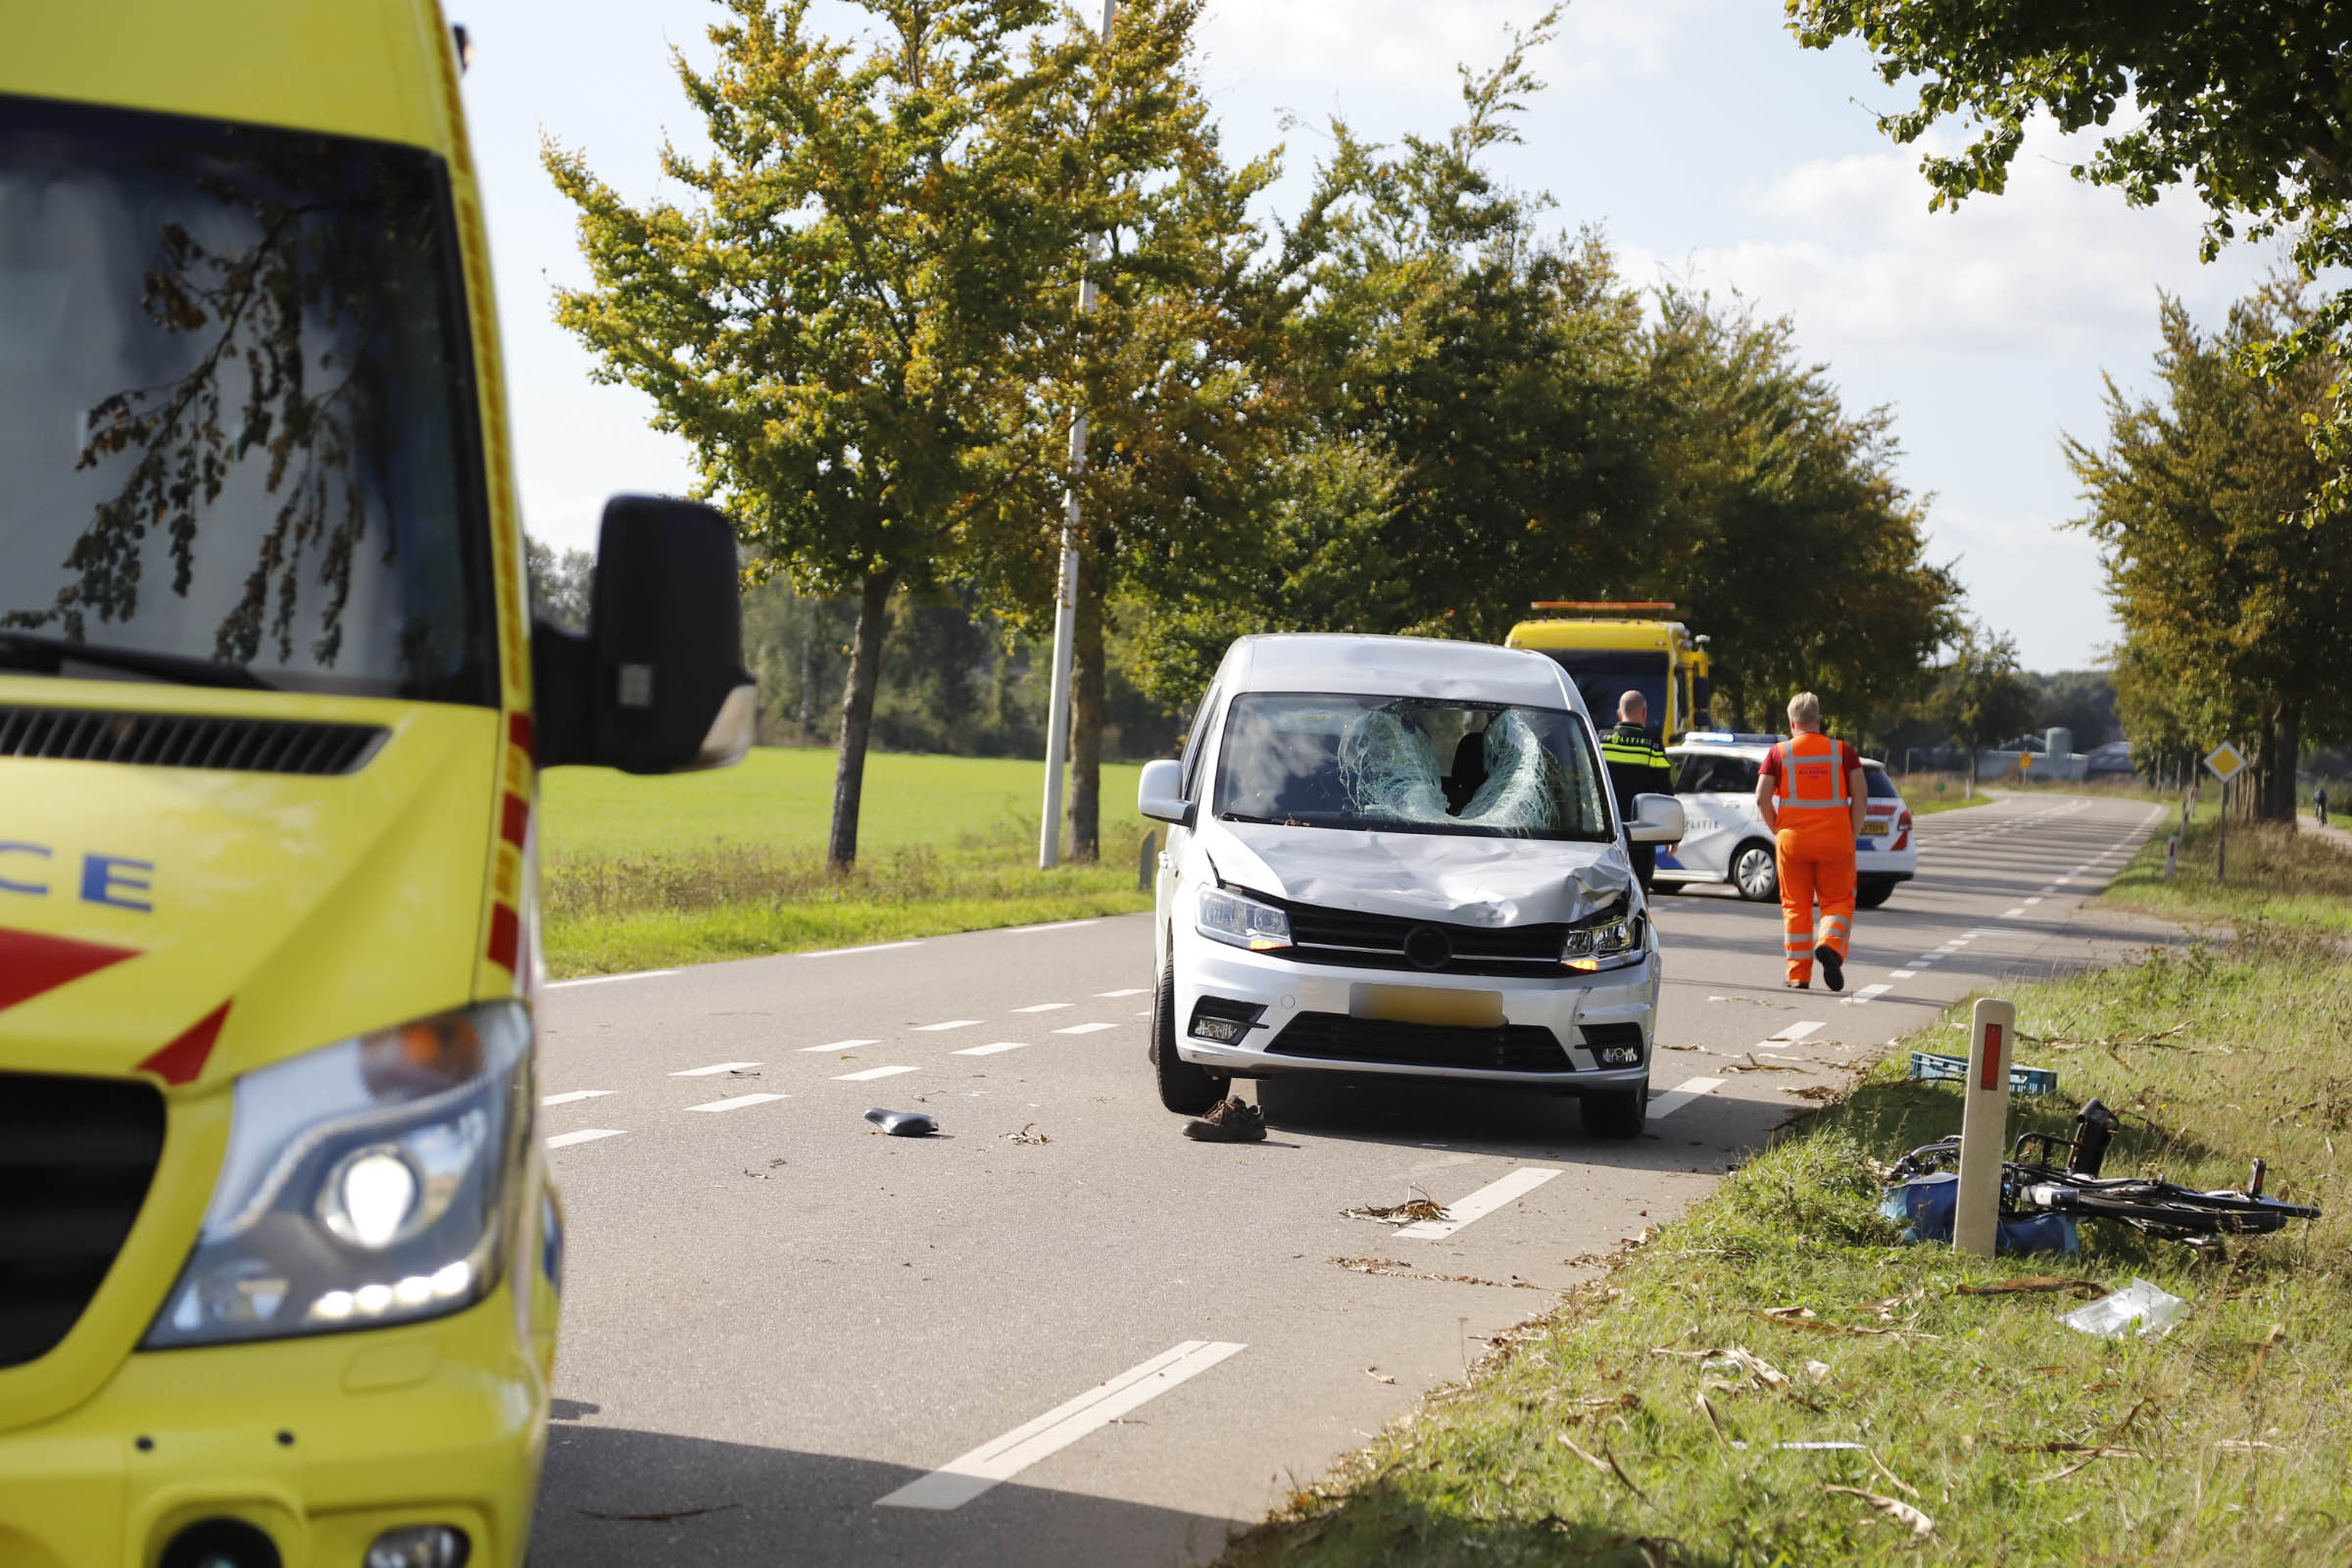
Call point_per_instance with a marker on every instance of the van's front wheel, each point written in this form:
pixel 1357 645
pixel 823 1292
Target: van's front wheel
pixel 1619 1113
pixel 1184 1088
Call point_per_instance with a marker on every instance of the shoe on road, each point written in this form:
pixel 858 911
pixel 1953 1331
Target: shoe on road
pixel 1833 968
pixel 1796 985
pixel 1229 1121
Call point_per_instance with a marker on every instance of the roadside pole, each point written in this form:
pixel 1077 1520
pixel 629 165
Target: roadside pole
pixel 1065 595
pixel 1983 1128
pixel 2225 763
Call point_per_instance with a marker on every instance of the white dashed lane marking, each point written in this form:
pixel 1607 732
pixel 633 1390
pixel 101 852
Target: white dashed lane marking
pixel 1044 1007
pixel 1869 994
pixel 951 1023
pixel 997 1049
pixel 607 979
pixel 574 1097
pixel 871 947
pixel 715 1070
pixel 1479 1204
pixel 586 1134
pixel 737 1103
pixel 1131 991
pixel 1086 1028
pixel 871 1074
pixel 1799 1030
pixel 843 1044
pixel 968 1475
pixel 1681 1094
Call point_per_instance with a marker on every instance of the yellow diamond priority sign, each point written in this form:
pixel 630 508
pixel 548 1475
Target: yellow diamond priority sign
pixel 2225 761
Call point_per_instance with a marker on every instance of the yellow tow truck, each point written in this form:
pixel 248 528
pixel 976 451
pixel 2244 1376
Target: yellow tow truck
pixel 279 1257
pixel 1612 647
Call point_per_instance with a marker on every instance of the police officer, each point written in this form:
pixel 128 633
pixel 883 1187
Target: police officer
pixel 1637 766
pixel 1811 796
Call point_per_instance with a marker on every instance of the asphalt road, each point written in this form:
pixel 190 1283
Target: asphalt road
pixel 1061 1333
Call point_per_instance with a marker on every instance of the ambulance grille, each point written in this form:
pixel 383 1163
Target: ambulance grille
pixel 186 740
pixel 77 1155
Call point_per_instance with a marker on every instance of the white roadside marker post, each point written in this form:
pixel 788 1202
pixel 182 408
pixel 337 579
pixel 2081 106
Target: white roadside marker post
pixel 1983 1128
pixel 2172 856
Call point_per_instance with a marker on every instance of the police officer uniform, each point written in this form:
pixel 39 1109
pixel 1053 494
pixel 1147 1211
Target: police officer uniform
pixel 1637 765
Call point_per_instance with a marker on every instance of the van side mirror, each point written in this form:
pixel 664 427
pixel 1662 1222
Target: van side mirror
pixel 1656 820
pixel 1160 793
pixel 657 685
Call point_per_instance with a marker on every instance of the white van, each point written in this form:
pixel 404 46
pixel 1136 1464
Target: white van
pixel 1394 856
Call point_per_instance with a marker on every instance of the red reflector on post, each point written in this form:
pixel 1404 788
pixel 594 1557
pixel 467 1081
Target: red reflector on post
pixel 1990 1075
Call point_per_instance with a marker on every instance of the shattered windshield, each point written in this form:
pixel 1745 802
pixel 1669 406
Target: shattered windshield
pixel 235 408
pixel 1409 764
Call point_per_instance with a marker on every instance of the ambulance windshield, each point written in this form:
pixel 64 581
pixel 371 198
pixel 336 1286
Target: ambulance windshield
pixel 237 410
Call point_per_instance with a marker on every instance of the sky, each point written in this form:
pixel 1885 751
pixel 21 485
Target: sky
pixel 1696 135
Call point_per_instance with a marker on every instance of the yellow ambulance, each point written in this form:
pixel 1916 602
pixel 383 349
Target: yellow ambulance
pixel 279 1257
pixel 1610 647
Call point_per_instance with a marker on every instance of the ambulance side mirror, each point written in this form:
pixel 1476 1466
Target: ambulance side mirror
pixel 657 684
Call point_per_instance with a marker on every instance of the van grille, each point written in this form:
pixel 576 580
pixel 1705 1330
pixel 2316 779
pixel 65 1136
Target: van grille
pixel 1336 1036
pixel 77 1155
pixel 1387 942
pixel 186 740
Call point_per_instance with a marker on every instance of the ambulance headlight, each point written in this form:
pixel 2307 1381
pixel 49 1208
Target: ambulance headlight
pixel 367 1182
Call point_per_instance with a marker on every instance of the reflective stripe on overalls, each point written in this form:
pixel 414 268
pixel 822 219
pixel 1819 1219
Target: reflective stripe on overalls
pixel 1815 850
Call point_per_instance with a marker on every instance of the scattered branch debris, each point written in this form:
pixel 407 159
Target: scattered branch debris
pixel 2041 1284
pixel 1395 1268
pixel 1027 1134
pixel 669 1517
pixel 1895 1508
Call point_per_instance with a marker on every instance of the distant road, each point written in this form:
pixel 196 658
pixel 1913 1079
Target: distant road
pixel 1061 1333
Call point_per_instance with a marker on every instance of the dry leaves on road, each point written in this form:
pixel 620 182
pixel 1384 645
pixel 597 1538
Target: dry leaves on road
pixel 1412 1211
pixel 1395 1268
pixel 1895 1508
pixel 1028 1135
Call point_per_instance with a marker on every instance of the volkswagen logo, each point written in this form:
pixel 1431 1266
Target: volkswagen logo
pixel 1428 947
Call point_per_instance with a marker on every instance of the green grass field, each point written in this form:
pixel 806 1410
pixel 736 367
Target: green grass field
pixel 1646 1422
pixel 649 873
pixel 782 798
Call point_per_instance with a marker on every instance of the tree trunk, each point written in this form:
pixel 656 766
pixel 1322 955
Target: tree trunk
pixel 2281 745
pixel 808 675
pixel 1086 721
pixel 857 717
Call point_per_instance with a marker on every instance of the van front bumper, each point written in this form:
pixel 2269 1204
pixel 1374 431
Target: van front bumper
pixel 322 1444
pixel 1288 991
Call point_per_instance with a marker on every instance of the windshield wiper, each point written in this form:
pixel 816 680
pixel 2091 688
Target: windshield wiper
pixel 48 656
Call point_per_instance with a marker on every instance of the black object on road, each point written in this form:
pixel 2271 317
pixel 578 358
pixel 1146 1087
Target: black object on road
pixel 1229 1121
pixel 903 1124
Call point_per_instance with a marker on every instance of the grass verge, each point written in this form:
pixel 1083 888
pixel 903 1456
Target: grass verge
pixel 1925 794
pixel 2275 874
pixel 1640 1424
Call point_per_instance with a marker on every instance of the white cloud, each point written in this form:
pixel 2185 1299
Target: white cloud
pixel 1412 46
pixel 2050 266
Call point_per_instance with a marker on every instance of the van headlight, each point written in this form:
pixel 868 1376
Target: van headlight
pixel 1609 940
pixel 366 1182
pixel 1244 923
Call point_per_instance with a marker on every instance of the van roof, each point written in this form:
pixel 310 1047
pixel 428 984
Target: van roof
pixel 1396 666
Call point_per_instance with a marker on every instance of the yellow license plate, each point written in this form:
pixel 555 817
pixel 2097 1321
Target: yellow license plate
pixel 1877 830
pixel 1475 1009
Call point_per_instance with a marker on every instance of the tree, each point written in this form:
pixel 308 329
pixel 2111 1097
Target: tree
pixel 1980 697
pixel 2233 610
pixel 840 326
pixel 1175 369
pixel 562 583
pixel 2248 102
pixel 1781 531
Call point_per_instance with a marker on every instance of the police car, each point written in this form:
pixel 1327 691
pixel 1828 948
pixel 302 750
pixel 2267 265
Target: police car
pixel 1723 837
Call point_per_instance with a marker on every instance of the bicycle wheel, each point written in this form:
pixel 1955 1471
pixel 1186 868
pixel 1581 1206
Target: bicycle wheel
pixel 2163 1209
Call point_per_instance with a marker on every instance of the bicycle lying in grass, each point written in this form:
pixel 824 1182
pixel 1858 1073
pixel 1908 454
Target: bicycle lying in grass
pixel 2034 1184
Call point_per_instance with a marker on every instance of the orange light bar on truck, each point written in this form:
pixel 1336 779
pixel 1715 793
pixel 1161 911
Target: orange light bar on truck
pixel 1600 604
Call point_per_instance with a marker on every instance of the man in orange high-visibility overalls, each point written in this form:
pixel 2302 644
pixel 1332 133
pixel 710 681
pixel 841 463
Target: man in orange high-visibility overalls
pixel 1811 795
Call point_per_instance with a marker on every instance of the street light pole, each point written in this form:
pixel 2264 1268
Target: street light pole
pixel 1065 597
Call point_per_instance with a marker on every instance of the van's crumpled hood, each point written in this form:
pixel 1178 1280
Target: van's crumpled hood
pixel 1430 876
pixel 311 908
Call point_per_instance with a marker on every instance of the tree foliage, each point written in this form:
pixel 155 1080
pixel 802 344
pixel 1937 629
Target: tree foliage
pixel 1980 697
pixel 2249 103
pixel 2232 613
